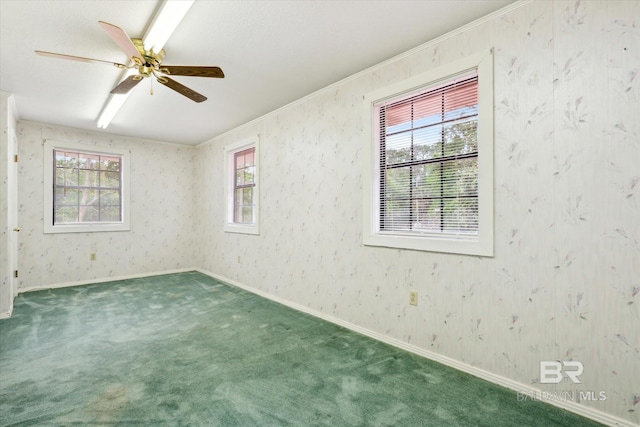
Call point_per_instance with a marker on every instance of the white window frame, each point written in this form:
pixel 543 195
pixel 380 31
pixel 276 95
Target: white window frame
pixel 48 179
pixel 480 244
pixel 229 173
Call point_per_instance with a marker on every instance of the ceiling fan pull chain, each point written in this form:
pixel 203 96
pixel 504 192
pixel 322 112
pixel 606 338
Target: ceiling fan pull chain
pixel 151 91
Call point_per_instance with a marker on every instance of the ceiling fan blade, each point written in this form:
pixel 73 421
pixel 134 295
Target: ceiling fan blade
pixel 195 71
pixel 126 85
pixel 78 58
pixel 121 38
pixel 181 89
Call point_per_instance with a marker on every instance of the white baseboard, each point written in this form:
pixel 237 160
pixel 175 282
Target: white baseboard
pixel 105 279
pixel 585 411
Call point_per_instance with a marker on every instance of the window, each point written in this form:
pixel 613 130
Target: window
pixel 241 174
pixel 429 174
pixel 85 189
pixel 244 186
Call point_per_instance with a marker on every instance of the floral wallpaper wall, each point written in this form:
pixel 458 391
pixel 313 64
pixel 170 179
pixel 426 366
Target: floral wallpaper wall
pixel 162 235
pixel 7 126
pixel 564 283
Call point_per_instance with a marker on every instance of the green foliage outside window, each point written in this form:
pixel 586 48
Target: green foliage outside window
pixel 87 188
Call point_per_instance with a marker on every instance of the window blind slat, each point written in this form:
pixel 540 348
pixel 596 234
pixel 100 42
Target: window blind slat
pixel 456 96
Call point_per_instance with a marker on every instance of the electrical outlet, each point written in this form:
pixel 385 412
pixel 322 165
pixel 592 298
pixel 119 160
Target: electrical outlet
pixel 413 297
pixel 92 256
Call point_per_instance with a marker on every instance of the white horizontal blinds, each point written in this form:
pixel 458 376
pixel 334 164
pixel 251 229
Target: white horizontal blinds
pixel 429 160
pixel 244 186
pixel 87 188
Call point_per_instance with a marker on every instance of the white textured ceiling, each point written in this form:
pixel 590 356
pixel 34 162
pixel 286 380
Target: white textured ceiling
pixel 272 53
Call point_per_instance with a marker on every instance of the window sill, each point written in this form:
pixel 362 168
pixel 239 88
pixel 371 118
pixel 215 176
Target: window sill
pixel 242 229
pixel 445 244
pixel 86 228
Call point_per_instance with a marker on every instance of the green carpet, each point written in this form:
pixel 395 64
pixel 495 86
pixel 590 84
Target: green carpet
pixel 185 349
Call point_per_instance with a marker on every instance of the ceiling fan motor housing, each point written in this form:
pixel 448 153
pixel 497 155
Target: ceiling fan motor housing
pixel 151 59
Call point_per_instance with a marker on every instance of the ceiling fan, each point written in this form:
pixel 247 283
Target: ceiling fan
pixel 147 63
